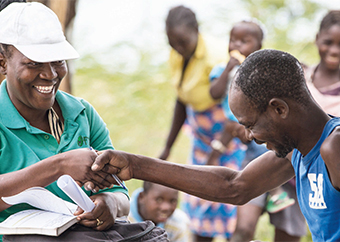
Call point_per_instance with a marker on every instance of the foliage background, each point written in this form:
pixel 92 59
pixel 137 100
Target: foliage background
pixel 137 104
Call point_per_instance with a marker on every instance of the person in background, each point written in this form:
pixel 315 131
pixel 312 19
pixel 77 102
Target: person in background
pixel 158 203
pixel 325 76
pixel 270 98
pixel 191 61
pixel 44 132
pixel 245 38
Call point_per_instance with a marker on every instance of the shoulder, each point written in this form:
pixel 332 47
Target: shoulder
pixel 179 217
pixel 330 147
pixel 69 100
pixel 330 154
pixel 217 71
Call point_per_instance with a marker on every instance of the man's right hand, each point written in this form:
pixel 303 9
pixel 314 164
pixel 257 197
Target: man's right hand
pixel 113 162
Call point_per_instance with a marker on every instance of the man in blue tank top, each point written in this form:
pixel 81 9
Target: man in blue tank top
pixel 270 98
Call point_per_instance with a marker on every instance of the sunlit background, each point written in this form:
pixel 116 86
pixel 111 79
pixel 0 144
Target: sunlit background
pixel 119 33
pixel 123 71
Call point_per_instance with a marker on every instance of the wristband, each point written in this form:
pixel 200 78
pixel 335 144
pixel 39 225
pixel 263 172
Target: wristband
pixel 217 145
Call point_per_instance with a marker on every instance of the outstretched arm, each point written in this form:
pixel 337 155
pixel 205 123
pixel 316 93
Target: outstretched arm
pixel 209 182
pixel 177 122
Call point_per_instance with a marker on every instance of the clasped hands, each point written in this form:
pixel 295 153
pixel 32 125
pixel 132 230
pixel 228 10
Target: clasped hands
pixel 96 170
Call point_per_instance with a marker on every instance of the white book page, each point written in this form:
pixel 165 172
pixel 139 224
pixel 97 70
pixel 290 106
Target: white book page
pixel 34 218
pixel 40 197
pixel 71 188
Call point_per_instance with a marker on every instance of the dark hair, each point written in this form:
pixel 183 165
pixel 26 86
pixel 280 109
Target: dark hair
pixel 181 15
pixel 147 186
pixel 331 18
pixel 268 73
pixel 6 50
pixel 5 3
pixel 257 29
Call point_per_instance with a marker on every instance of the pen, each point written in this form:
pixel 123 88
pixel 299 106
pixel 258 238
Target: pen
pixel 119 181
pixel 115 177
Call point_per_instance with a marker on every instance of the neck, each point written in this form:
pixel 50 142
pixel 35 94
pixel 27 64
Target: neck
pixel 309 128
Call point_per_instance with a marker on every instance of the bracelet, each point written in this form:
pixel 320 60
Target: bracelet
pixel 217 145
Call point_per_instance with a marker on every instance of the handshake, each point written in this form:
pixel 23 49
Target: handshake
pixel 93 169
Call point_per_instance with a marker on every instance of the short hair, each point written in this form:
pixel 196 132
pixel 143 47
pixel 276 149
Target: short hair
pixel 181 15
pixel 147 186
pixel 330 19
pixel 257 27
pixel 5 3
pixel 266 74
pixel 6 50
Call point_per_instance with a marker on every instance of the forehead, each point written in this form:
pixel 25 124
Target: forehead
pixel 180 31
pixel 332 30
pixel 159 190
pixel 15 53
pixel 246 29
pixel 240 106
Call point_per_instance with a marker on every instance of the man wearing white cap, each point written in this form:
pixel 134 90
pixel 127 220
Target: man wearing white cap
pixel 42 129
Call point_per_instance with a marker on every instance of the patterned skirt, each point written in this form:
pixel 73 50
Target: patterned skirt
pixel 210 219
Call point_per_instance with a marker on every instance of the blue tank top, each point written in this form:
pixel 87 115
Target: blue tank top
pixel 318 199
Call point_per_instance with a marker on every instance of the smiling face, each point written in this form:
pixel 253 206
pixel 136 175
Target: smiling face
pixel 183 39
pixel 31 86
pixel 245 37
pixel 158 203
pixel 267 127
pixel 328 43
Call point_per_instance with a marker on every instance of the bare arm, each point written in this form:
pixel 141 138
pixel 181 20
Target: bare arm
pixel 209 182
pixel 330 153
pixel 76 163
pixel 219 85
pixel 177 122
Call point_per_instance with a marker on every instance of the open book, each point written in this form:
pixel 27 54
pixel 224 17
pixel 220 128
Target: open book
pixel 53 215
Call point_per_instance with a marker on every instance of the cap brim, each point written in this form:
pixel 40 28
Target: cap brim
pixel 48 52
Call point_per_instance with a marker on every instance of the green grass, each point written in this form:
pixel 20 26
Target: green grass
pixel 138 109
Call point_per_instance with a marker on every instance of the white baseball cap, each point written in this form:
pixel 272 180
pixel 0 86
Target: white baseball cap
pixel 35 31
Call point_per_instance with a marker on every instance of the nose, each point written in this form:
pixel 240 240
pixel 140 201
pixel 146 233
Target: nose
pixel 249 135
pixel 166 206
pixel 48 72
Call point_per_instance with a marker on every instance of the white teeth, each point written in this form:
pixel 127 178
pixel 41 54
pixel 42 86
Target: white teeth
pixel 44 89
pixel 332 59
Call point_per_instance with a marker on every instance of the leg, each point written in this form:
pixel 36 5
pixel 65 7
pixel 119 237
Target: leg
pixel 198 238
pixel 290 225
pixel 281 235
pixel 247 217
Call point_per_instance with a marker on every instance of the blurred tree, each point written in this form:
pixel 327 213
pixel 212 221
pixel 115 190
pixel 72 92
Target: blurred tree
pixel 290 25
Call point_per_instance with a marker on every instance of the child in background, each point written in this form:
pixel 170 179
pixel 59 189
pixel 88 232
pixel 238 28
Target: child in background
pixel 158 203
pixel 245 38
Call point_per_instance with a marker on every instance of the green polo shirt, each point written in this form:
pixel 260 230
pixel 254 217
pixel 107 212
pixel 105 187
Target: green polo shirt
pixel 22 145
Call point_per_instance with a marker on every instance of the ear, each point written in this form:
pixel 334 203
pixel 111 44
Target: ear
pixel 280 107
pixel 3 64
pixel 141 197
